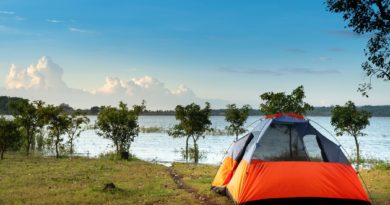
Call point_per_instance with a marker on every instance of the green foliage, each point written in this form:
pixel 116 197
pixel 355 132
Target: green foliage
pixel 372 17
pixel 236 118
pixel 78 122
pixel 57 125
pixel 119 124
pixel 282 103
pixel 382 166
pixel 193 123
pixel 29 116
pixel 10 137
pixel 349 120
pixel 5 102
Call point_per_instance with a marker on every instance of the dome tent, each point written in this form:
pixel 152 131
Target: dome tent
pixel 285 160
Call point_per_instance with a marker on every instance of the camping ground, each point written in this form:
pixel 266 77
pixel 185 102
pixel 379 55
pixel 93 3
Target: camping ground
pixel 39 180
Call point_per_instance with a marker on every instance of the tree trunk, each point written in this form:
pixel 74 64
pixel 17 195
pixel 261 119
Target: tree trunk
pixel 196 152
pixel 357 153
pixel 56 143
pixel 236 136
pixel 186 157
pixel 28 143
pixel 2 154
pixel 71 146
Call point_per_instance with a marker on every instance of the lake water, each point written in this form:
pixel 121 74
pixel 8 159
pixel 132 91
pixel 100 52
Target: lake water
pixel 162 148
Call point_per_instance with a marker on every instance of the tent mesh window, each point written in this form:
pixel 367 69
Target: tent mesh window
pixel 281 142
pixel 312 149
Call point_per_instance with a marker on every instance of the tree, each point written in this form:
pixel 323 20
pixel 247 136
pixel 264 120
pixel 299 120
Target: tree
pixel 94 110
pixel 10 137
pixel 66 108
pixel 282 103
pixel 371 17
pixel 236 117
pixel 29 116
pixel 120 125
pixel 349 120
pixel 77 124
pixel 57 125
pixel 193 123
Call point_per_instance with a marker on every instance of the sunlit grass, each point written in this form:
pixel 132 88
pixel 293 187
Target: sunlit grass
pixel 37 180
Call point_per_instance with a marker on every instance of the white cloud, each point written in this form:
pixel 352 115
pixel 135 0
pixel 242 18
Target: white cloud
pixel 7 12
pixel 111 86
pixel 147 82
pixel 182 90
pixel 54 21
pixel 43 81
pixel 78 30
pixel 10 15
pixel 43 75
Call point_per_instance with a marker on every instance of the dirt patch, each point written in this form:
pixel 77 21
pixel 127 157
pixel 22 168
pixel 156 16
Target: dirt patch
pixel 181 185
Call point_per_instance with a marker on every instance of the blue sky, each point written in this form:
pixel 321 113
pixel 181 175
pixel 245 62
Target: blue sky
pixel 220 51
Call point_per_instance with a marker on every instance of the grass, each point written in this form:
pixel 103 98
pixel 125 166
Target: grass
pixel 40 180
pixel 199 177
pixel 378 183
pixel 37 180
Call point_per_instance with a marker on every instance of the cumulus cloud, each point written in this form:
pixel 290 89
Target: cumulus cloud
pixel 43 81
pixel 111 86
pixel 182 90
pixel 43 75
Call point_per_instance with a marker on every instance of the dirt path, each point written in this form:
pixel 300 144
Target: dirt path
pixel 181 185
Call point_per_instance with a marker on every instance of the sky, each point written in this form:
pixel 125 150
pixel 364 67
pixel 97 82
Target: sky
pixel 170 52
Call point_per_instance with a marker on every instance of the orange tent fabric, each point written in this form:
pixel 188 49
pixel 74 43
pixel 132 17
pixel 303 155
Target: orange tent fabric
pixel 285 160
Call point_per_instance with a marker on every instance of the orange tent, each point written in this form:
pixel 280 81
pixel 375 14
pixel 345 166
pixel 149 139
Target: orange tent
pixel 285 160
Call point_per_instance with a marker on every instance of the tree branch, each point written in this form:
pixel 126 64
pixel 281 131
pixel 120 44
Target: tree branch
pixel 382 11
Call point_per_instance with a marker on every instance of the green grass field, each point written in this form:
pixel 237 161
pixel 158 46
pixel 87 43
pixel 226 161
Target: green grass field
pixel 38 180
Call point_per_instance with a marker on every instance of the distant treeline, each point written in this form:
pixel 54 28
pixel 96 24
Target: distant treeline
pixel 375 110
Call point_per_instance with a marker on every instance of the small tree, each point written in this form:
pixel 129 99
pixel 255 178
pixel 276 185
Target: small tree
pixel 10 137
pixel 29 116
pixel 194 122
pixel 282 103
pixel 57 124
pixel 236 117
pixel 78 123
pixel 120 125
pixel 348 119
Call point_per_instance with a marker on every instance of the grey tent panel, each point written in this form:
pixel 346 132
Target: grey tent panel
pixel 290 139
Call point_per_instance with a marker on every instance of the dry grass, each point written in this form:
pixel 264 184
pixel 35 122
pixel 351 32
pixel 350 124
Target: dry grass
pixel 378 183
pixel 36 180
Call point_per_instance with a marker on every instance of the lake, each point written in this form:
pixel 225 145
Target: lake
pixel 162 148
